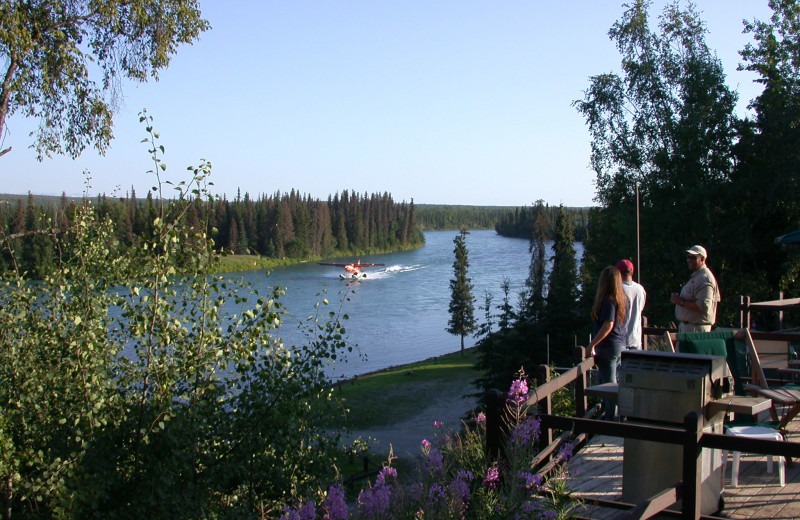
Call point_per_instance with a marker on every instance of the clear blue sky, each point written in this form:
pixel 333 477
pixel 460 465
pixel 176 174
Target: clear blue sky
pixel 442 101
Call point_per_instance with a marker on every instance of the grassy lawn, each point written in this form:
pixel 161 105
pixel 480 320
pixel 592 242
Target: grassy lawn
pixel 393 394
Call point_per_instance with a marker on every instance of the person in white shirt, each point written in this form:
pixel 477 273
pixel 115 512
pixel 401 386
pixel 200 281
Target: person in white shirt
pixel 632 326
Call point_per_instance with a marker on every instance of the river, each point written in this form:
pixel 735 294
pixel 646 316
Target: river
pixel 399 313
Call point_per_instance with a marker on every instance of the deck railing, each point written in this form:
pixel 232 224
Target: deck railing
pixel 581 426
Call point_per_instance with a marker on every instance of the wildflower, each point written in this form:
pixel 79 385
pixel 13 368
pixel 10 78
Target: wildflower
pixel 306 511
pixel 459 488
pixel 565 453
pixel 375 501
pixel 481 418
pixel 526 432
pixel 532 480
pixel 384 472
pixel 415 491
pixel 438 424
pixel 492 476
pixel 335 506
pixel 519 391
pixel 426 443
pixel 436 493
pixel 465 475
pixel 435 461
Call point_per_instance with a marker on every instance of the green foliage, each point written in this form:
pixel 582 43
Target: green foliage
pixel 667 126
pixel 561 317
pixel 462 301
pixel 456 479
pixel 128 393
pixel 51 50
pixel 281 227
pixel 540 219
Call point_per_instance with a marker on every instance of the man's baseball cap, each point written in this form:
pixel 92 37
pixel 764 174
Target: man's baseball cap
pixel 625 266
pixel 697 250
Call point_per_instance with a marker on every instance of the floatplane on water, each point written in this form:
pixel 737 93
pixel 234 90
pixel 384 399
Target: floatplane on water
pixel 353 269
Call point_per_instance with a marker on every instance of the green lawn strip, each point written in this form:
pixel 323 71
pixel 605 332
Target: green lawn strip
pixel 394 394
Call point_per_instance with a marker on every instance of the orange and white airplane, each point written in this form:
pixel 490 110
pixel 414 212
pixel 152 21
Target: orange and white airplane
pixel 353 269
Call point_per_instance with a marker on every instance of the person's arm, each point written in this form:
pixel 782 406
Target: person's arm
pixel 604 331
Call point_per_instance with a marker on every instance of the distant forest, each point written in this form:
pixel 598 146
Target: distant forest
pixel 508 221
pixel 280 226
pixel 283 225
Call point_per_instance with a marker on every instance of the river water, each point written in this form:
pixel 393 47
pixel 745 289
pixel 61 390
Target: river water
pixel 399 313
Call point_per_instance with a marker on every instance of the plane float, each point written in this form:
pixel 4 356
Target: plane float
pixel 353 269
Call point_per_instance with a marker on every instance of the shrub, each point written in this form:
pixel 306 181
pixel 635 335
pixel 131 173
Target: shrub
pixel 456 480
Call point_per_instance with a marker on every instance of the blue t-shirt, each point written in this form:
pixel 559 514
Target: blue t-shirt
pixel 615 338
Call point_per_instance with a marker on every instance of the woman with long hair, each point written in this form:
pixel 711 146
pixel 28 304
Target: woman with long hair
pixel 608 341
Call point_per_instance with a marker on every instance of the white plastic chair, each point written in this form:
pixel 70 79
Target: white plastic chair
pixel 753 432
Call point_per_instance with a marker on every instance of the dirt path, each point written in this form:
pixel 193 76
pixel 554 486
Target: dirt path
pixel 447 405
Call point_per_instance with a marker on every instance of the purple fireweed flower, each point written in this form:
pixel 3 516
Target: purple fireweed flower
pixel 530 480
pixel 550 514
pixel 438 424
pixel 415 491
pixel 565 453
pixel 435 461
pixel 306 511
pixel 481 418
pixel 426 443
pixel 519 391
pixel 384 472
pixel 532 507
pixel 492 476
pixel 459 489
pixel 436 493
pixel 375 501
pixel 526 433
pixel 335 505
pixel 465 475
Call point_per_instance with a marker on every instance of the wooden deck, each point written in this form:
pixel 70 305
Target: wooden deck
pixel 596 473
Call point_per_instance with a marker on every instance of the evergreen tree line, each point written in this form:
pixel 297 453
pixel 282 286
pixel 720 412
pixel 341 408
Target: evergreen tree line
pixel 520 222
pixel 283 225
pixel 438 217
pixel 539 324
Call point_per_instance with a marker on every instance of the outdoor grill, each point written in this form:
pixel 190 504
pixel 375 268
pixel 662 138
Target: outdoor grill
pixel 661 388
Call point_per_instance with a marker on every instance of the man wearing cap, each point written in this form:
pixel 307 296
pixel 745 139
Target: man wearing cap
pixel 632 325
pixel 696 305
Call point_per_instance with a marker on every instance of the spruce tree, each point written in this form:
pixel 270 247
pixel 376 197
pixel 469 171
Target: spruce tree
pixel 561 312
pixel 533 298
pixel 462 302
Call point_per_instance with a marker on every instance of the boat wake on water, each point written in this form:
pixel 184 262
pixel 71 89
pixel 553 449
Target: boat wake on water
pixel 392 269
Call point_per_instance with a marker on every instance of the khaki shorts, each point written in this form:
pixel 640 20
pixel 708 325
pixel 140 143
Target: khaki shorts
pixel 691 327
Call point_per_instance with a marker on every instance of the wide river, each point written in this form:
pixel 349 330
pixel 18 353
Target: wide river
pixel 399 313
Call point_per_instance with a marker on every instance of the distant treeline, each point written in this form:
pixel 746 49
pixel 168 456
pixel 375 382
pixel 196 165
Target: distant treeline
pixel 438 217
pixel 283 225
pixel 508 221
pixel 519 222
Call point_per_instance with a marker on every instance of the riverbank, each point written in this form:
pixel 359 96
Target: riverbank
pixel 397 406
pixel 234 263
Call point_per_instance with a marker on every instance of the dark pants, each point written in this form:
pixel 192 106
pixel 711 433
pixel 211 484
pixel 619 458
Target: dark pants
pixel 607 360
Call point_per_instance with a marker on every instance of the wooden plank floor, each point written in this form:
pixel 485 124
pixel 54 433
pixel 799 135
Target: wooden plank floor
pixel 596 473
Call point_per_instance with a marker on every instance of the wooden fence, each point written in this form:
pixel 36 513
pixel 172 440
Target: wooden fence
pixel 579 427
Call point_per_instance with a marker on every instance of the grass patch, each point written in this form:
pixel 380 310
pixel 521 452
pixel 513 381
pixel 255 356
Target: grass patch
pixel 391 395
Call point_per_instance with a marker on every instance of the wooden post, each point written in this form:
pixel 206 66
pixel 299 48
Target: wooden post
pixel 495 401
pixel 544 406
pixel 644 336
pixel 581 399
pixel 692 466
pixel 744 312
